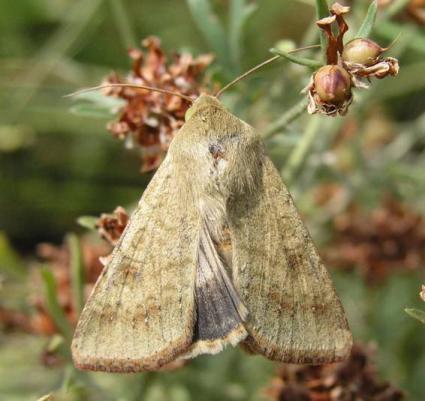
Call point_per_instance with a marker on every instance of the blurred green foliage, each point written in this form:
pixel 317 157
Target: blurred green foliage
pixel 57 163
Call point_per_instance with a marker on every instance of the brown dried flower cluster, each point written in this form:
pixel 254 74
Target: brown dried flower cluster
pixel 354 379
pixel 110 226
pixel 149 119
pixel 389 238
pixel 416 9
pixel 330 88
pixel 412 10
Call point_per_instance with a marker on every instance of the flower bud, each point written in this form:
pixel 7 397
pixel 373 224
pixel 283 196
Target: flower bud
pixel 332 84
pixel 361 51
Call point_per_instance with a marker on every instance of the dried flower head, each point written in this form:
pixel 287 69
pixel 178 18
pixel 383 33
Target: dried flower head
pixel 110 226
pixel 416 9
pixel 386 239
pixel 363 58
pixel 329 91
pixel 354 379
pixel 149 119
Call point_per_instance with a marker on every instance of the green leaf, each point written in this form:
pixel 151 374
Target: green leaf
pixel 239 14
pixel 322 11
pixel 99 99
pixel 210 26
pixel 54 308
pixel 367 24
pixel 416 313
pixel 88 222
pixel 307 62
pixel 77 271
pixel 89 110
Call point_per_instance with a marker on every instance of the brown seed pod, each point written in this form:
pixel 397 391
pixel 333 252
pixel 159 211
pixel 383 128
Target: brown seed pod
pixel 332 84
pixel 362 51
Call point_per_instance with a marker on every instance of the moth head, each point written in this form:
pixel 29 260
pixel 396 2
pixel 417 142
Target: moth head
pixel 202 102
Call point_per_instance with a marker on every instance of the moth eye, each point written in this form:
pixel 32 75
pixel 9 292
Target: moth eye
pixel 216 150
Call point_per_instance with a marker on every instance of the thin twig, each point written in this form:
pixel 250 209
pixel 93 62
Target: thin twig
pixel 300 152
pixel 150 88
pixel 292 114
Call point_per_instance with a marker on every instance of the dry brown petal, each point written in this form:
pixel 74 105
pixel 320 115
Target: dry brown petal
pixel 338 9
pixel 383 67
pixel 111 226
pixel 332 48
pixel 326 22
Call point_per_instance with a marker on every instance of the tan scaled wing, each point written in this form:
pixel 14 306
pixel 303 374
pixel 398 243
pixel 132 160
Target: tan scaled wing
pixel 295 315
pixel 140 315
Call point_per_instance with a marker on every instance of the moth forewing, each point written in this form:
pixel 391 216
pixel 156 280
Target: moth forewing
pixel 139 316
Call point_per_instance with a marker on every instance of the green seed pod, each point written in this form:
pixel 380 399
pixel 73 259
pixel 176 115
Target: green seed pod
pixel 333 84
pixel 361 51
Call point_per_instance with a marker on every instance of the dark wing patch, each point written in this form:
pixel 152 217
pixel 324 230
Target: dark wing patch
pixel 220 313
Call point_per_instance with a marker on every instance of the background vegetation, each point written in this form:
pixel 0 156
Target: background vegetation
pixel 358 180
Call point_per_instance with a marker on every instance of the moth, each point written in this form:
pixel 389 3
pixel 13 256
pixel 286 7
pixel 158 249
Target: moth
pixel 215 254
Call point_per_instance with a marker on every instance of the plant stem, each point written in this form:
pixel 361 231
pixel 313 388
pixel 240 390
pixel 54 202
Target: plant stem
pixel 288 117
pixel 300 152
pixel 77 271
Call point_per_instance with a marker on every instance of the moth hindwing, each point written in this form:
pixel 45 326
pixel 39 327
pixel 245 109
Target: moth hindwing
pixel 214 254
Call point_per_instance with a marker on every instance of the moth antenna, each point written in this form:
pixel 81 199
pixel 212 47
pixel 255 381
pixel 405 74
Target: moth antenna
pixel 259 66
pixel 395 40
pixel 151 88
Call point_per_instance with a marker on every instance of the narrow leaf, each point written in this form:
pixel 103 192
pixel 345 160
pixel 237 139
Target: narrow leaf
pixel 210 26
pixel 307 62
pixel 368 22
pixel 77 271
pixel 238 15
pixel 88 110
pixel 416 313
pixel 55 310
pixel 322 11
